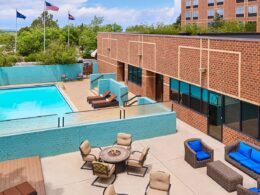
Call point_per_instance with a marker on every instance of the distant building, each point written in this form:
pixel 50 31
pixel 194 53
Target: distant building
pixel 202 12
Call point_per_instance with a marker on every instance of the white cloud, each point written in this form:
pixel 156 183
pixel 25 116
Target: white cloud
pixel 122 16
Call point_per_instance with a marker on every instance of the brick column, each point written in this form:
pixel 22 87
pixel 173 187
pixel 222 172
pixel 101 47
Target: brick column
pixel 148 84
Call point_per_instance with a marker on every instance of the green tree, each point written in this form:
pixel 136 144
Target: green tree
pixel 49 21
pixel 7 41
pixel 87 41
pixel 178 20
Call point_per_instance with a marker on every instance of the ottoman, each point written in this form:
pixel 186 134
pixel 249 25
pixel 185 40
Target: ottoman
pixel 224 175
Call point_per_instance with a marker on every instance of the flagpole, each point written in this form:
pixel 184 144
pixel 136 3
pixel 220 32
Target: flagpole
pixel 68 28
pixel 44 38
pixel 15 47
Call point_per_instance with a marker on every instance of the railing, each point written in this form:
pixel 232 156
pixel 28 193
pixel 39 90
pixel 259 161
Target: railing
pixel 96 79
pixel 126 102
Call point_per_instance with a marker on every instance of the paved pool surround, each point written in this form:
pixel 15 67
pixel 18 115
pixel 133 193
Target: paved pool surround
pixel 58 141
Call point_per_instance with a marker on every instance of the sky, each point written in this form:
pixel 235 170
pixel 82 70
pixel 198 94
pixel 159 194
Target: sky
pixel 123 12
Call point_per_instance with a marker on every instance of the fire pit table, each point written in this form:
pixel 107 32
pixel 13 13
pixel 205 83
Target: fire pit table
pixel 117 156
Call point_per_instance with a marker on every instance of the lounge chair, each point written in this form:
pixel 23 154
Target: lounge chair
pixel 244 156
pixel 64 78
pixel 124 140
pixel 136 160
pixel 103 96
pixel 108 102
pixel 88 154
pixel 21 189
pixel 80 76
pixel 159 184
pixel 104 171
pixel 110 190
pixel 197 153
pixel 251 191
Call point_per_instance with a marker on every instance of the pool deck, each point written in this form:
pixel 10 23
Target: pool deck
pixel 63 176
pixel 14 172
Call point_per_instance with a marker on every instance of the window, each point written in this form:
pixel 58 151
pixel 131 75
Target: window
pixel 184 93
pixel 240 1
pixel 220 12
pixel 204 101
pixel 188 14
pixel 195 3
pixel 252 11
pixel 195 98
pixel 210 2
pixel 135 75
pixel 232 113
pixel 250 120
pixel 240 11
pixel 195 15
pixel 188 3
pixel 174 87
pixel 220 2
pixel 211 13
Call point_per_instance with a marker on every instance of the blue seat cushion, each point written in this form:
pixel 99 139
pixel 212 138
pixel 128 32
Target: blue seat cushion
pixel 255 155
pixel 237 156
pixel 257 170
pixel 250 164
pixel 195 145
pixel 202 155
pixel 244 149
pixel 254 189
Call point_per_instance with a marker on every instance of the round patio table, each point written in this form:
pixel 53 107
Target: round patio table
pixel 116 156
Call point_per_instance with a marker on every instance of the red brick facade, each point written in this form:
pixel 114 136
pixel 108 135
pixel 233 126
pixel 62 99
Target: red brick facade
pixel 229 7
pixel 231 66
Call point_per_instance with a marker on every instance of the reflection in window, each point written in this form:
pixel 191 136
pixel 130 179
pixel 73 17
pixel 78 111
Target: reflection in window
pixel 174 93
pixel 195 97
pixel 184 93
pixel 135 75
pixel 204 102
pixel 232 112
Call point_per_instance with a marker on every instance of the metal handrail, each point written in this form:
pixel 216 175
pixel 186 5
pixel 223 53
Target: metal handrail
pixel 101 76
pixel 124 95
pixel 125 102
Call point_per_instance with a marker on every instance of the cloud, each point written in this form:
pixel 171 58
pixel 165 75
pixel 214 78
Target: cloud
pixel 123 16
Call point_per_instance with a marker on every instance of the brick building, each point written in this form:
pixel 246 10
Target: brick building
pixel 202 12
pixel 214 83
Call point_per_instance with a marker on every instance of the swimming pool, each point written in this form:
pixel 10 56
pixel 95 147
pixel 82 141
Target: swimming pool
pixel 31 101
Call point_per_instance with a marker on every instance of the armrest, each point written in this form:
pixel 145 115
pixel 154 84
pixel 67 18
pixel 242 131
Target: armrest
pixel 258 183
pixel 231 147
pixel 135 151
pixel 97 147
pixel 147 187
pixel 168 193
pixel 207 148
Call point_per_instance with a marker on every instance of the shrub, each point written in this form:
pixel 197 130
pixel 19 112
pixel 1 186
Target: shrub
pixel 7 60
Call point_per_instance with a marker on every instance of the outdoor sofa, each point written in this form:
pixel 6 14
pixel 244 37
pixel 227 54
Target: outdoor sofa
pixel 251 191
pixel 197 153
pixel 244 156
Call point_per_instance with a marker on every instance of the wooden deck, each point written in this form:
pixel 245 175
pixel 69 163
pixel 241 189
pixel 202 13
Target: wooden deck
pixel 14 172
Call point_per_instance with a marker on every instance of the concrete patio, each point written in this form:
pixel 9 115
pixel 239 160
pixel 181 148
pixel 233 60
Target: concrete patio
pixel 63 176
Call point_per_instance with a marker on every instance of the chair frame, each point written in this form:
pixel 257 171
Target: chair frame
pixel 241 190
pixel 98 177
pixel 130 146
pixel 190 154
pixel 145 168
pixel 85 165
pixel 116 193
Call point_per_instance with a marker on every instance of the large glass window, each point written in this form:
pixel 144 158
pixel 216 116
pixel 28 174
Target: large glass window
pixel 195 14
pixel 188 15
pixel 195 98
pixel 135 75
pixel 210 2
pixel 232 112
pixel 184 93
pixel 188 3
pixel 211 13
pixel 204 102
pixel 220 12
pixel 195 3
pixel 252 10
pixel 174 87
pixel 250 119
pixel 240 11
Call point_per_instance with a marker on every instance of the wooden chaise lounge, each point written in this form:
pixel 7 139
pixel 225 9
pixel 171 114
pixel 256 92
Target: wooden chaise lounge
pixel 109 102
pixel 103 96
pixel 21 189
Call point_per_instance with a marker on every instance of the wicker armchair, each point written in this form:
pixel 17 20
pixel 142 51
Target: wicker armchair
pixel 233 148
pixel 124 140
pixel 190 154
pixel 136 160
pixel 88 154
pixel 244 191
pixel 159 183
pixel 104 171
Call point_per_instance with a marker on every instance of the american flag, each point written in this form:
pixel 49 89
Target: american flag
pixel 51 7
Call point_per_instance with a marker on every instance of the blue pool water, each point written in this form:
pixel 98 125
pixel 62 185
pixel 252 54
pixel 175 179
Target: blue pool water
pixel 31 101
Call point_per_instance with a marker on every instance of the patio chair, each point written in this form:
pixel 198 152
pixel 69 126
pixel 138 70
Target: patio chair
pixel 88 154
pixel 124 140
pixel 99 97
pixel 159 184
pixel 80 76
pixel 110 190
pixel 64 78
pixel 197 153
pixel 136 160
pixel 251 191
pixel 103 171
pixel 108 102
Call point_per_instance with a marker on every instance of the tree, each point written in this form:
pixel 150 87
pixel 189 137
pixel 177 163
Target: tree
pixel 87 41
pixel 49 21
pixel 7 41
pixel 178 20
pixel 218 21
pixel 111 28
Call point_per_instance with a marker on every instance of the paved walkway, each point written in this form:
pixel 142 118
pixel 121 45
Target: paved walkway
pixel 63 175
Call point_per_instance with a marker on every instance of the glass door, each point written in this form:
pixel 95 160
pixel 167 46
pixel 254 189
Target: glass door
pixel 159 88
pixel 215 115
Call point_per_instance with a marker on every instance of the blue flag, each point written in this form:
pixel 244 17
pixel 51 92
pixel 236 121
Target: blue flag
pixel 19 15
pixel 71 17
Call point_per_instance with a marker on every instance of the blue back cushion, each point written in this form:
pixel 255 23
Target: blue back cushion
pixel 195 145
pixel 254 189
pixel 245 149
pixel 255 155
